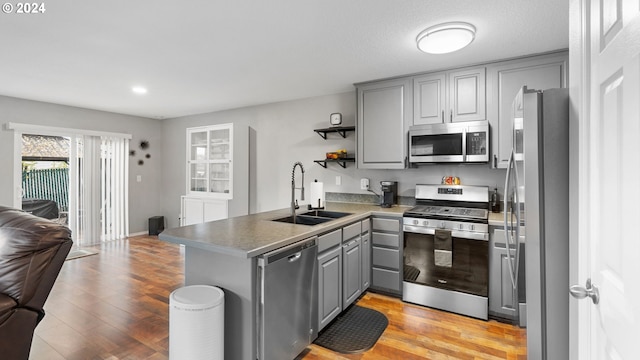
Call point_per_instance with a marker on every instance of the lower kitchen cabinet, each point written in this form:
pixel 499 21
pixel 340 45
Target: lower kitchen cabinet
pixel 351 268
pixel 502 304
pixel 366 261
pixel 329 285
pixel 386 255
pixel 344 268
pixel 196 210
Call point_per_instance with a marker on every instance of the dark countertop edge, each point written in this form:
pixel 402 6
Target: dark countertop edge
pixel 313 231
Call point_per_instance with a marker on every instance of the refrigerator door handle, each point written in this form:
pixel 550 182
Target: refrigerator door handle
pixel 507 218
pixel 516 241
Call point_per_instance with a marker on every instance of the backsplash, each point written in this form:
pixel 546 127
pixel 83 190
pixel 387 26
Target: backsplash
pixel 365 198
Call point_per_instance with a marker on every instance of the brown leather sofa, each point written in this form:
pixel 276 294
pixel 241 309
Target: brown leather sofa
pixel 32 251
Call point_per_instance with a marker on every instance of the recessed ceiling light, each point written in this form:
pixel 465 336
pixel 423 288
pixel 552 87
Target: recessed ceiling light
pixel 140 90
pixel 446 38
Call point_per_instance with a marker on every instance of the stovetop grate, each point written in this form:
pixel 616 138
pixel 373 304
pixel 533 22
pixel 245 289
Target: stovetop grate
pixel 448 211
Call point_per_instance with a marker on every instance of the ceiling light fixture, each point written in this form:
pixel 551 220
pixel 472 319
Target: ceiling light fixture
pixel 140 90
pixel 446 38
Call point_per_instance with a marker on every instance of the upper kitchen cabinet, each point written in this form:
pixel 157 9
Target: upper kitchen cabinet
pixel 385 111
pixel 210 161
pixel 450 96
pixel 504 79
pixel 429 99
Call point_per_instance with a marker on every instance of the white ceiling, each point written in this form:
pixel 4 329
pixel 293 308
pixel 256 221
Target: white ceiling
pixel 202 56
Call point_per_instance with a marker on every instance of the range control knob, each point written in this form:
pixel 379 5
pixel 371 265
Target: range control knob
pixel 472 227
pixel 425 223
pixel 460 226
pixel 415 222
pixel 442 224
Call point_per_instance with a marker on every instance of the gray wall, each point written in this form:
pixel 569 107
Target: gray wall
pixel 284 135
pixel 144 199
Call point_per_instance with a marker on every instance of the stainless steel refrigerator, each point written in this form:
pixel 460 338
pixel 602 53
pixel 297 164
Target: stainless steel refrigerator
pixel 538 171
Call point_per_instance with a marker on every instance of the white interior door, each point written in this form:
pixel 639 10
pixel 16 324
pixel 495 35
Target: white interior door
pixel 609 168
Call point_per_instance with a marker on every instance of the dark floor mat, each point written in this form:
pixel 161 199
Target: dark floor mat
pixel 356 330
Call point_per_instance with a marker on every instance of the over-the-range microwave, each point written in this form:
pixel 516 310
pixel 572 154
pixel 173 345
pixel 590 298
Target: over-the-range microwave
pixel 457 142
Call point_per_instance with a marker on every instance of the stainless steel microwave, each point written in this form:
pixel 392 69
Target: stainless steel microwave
pixel 461 142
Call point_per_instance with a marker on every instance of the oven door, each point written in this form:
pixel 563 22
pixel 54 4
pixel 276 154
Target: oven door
pixel 464 268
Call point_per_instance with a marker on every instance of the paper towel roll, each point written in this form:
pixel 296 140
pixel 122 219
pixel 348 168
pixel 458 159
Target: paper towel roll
pixel 317 195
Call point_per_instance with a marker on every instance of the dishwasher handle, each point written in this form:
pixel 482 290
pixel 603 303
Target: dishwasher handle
pixel 292 252
pixel 295 257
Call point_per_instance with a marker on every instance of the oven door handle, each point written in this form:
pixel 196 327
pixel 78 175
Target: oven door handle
pixel 457 234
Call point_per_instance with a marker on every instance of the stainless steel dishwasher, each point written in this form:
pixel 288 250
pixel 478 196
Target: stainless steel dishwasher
pixel 287 310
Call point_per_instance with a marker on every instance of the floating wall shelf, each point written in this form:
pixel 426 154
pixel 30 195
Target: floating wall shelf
pixel 342 130
pixel 342 162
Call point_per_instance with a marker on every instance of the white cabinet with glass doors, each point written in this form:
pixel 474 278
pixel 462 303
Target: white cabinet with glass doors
pixel 210 161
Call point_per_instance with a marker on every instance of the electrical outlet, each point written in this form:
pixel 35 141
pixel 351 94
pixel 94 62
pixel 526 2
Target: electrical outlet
pixel 338 180
pixel 364 184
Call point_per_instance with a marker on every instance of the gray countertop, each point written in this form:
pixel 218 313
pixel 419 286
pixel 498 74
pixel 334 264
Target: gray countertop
pixel 496 219
pixel 252 235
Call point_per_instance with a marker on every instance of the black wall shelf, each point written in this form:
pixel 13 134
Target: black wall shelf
pixel 342 130
pixel 342 162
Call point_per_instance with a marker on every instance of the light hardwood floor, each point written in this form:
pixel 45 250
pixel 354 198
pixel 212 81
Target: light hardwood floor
pixel 114 305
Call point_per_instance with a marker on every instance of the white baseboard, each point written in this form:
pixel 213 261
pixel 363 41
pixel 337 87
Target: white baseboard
pixel 139 233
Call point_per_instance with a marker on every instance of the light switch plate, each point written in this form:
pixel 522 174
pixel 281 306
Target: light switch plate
pixel 338 180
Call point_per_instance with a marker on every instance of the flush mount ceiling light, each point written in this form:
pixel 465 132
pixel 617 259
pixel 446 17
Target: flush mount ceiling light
pixel 140 90
pixel 446 38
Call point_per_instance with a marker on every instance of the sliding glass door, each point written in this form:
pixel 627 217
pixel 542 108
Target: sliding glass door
pixel 98 168
pixel 100 192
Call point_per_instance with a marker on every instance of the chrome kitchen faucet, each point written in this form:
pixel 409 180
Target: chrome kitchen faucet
pixel 294 202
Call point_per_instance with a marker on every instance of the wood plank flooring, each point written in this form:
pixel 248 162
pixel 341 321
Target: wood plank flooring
pixel 114 305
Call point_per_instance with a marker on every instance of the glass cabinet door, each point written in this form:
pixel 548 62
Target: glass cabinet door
pixel 219 177
pixel 209 161
pixel 219 141
pixel 199 145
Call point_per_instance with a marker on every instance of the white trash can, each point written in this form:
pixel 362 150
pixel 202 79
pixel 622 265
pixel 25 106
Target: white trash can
pixel 196 323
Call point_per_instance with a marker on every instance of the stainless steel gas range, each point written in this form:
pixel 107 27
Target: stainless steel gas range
pixel 446 249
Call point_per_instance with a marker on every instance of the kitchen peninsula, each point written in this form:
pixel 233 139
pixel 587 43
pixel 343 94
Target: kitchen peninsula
pixel 225 254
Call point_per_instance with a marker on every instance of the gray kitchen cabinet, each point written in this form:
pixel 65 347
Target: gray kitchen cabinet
pixel 384 113
pixel 429 99
pixel 450 96
pixel 329 285
pixel 351 269
pixel 504 79
pixel 467 94
pixel 344 268
pixel 501 297
pixel 386 255
pixel 366 256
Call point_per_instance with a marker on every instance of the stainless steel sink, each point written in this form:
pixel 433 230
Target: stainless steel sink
pixel 304 220
pixel 326 214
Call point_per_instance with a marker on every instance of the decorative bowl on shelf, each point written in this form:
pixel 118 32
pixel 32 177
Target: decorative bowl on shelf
pixel 340 154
